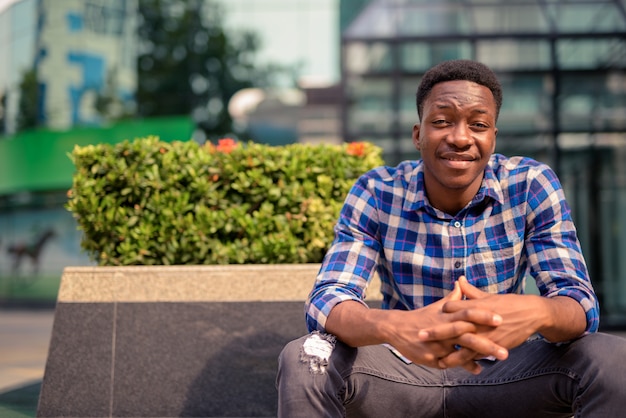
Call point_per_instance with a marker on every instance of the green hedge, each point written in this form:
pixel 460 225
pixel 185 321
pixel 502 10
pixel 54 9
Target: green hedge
pixel 150 202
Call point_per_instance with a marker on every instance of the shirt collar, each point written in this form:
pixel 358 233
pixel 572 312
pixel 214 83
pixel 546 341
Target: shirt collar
pixel 416 196
pixel 491 184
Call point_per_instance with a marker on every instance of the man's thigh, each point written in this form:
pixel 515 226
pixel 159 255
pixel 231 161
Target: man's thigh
pixel 537 379
pixel 543 379
pixel 380 384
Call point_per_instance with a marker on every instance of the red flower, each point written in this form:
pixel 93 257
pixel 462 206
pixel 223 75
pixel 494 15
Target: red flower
pixel 226 145
pixel 356 148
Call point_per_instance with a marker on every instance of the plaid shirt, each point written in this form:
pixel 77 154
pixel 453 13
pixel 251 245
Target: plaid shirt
pixel 517 224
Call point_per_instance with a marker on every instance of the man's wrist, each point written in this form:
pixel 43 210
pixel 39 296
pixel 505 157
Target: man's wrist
pixel 564 318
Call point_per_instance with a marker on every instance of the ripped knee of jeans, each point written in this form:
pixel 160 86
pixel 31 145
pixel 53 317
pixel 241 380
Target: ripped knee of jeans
pixel 316 351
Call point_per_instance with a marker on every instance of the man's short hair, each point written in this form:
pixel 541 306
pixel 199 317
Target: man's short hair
pixel 453 70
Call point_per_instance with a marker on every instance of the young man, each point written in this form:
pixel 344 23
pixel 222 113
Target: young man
pixel 452 237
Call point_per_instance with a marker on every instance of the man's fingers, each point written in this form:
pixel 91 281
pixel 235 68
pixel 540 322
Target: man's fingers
pixel 459 323
pixel 472 367
pixel 482 346
pixel 463 358
pixel 446 331
pixel 432 354
pixel 456 293
pixel 461 312
pixel 470 343
pixel 469 290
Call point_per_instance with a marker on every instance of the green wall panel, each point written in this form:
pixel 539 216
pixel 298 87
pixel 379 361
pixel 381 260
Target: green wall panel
pixel 38 160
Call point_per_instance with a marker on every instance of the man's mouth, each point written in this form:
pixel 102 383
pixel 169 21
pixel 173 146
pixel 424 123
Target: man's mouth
pixel 456 160
pixel 452 156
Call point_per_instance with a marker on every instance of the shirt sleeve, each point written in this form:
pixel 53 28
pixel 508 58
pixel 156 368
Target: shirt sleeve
pixel 351 260
pixel 555 257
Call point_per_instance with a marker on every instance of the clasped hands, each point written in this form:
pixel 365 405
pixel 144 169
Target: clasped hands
pixel 467 325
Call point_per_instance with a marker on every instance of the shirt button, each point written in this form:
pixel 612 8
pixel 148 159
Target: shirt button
pixel 457 224
pixel 457 264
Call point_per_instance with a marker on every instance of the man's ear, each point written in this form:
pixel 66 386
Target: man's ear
pixel 416 136
pixel 495 139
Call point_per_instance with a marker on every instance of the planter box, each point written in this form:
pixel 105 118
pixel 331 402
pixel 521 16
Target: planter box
pixel 173 340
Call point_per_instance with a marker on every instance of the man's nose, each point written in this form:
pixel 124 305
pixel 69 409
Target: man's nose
pixel 460 136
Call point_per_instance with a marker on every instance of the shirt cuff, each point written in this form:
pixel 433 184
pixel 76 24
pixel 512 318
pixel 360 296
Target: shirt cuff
pixel 319 308
pixel 590 307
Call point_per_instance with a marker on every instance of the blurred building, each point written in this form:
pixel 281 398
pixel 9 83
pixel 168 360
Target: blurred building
pixel 320 118
pixel 68 66
pixel 80 51
pixel 309 113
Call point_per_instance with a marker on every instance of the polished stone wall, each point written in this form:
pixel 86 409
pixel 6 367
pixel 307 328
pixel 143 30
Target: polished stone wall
pixel 173 340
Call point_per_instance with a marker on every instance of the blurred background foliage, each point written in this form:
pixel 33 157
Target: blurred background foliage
pixel 187 64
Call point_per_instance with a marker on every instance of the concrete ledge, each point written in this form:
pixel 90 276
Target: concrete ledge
pixel 273 282
pixel 173 340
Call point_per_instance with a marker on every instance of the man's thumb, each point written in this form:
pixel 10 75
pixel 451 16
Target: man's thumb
pixel 470 291
pixel 456 293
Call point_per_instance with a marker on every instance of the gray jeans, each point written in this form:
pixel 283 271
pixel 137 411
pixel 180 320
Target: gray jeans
pixel 585 378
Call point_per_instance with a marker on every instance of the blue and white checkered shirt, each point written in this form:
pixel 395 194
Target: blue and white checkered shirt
pixel 518 224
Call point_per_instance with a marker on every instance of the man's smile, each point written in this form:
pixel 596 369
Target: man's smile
pixel 457 160
pixel 455 156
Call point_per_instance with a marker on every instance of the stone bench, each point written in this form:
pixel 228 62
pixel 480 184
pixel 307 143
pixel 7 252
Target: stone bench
pixel 173 340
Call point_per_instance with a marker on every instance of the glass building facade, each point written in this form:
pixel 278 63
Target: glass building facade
pixel 77 50
pixel 562 65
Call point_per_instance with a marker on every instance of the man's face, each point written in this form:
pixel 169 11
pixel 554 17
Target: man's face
pixel 456 137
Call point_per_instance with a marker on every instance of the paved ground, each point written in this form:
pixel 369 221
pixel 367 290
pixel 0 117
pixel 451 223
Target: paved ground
pixel 24 340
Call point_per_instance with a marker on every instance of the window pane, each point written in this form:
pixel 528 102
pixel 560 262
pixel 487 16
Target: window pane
pixel 509 19
pixel 593 102
pixel 408 108
pixel 420 56
pixel 537 146
pixel 596 17
pixel 363 58
pixel 371 109
pixel 435 19
pixel 591 53
pixel 526 105
pixel 514 55
pixel 383 19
